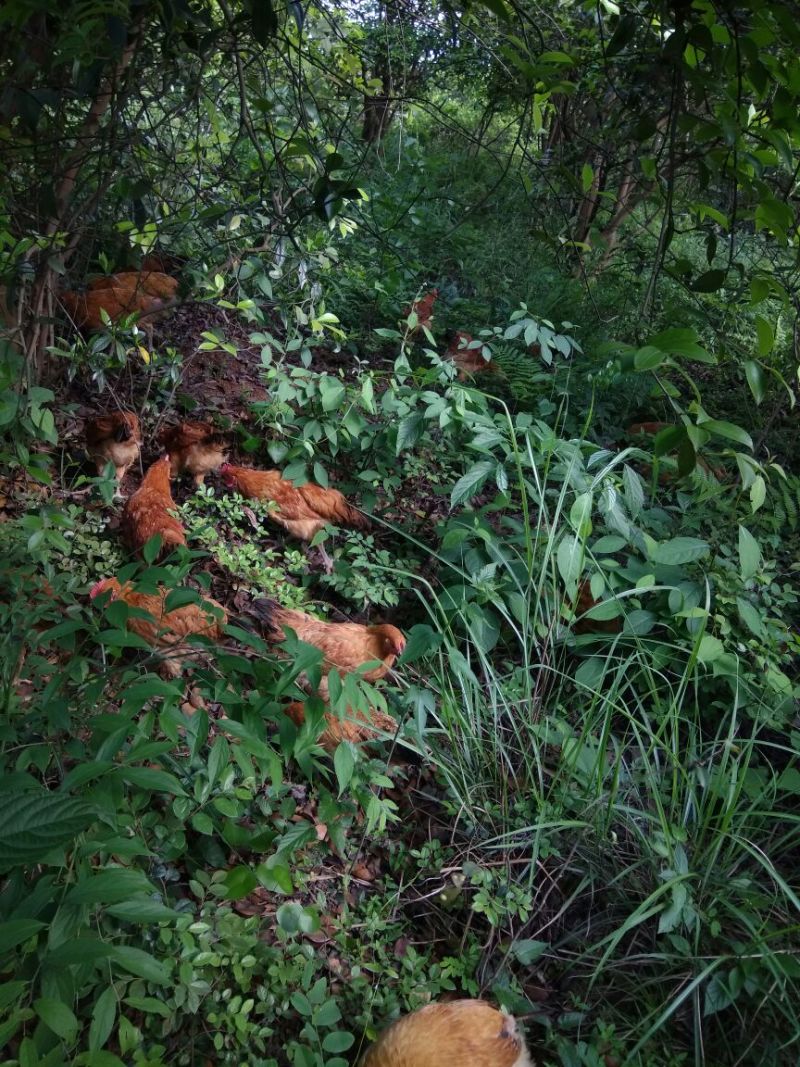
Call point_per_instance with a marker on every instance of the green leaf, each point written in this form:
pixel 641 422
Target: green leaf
pixel 680 550
pixel 57 1016
pixel 468 485
pixel 709 282
pixel 587 177
pixel 409 431
pixel 149 1004
pixel 16 932
pixel 709 649
pixel 9 992
pixel 238 882
pixel 109 887
pixel 750 616
pixel 103 1017
pixel 338 1041
pixel 749 554
pixel 34 824
pixel 569 558
pixel 344 762
pixel 152 780
pixel 765 334
pixel 142 910
pixel 755 379
pixel 727 429
pixel 758 493
pixel 527 951
pixel 142 964
pixel 648 358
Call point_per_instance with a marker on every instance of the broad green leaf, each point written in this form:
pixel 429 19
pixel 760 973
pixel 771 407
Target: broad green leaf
pixel 57 1016
pixel 238 882
pixel 749 554
pixel 527 950
pixel 344 762
pixel 750 616
pixel 338 1041
pixel 470 483
pixel 648 358
pixel 765 334
pixel 587 177
pixel 710 648
pixel 142 964
pixel 152 780
pixel 103 1018
pixel 727 429
pixel 758 493
pixel 680 550
pixel 16 932
pixel 755 379
pixel 409 431
pixel 109 887
pixel 569 558
pixel 34 824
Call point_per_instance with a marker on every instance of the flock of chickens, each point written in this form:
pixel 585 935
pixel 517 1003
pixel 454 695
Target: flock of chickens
pixel 199 449
pixel 461 1033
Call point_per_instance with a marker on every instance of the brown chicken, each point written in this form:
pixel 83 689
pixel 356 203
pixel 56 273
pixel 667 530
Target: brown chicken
pixel 84 308
pixel 584 603
pixel 468 360
pixel 195 447
pixel 460 1033
pixel 150 282
pixel 345 646
pixel 148 511
pixel 167 630
pixel 357 726
pixel 304 510
pixel 114 438
pixel 423 308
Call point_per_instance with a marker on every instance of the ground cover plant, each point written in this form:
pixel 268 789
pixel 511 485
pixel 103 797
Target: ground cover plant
pixel 522 286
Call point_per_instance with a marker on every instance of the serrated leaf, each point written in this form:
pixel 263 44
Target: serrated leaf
pixel 409 431
pixel 470 483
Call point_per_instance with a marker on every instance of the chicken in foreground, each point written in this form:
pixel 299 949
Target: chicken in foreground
pixel 304 510
pixel 85 308
pixel 356 726
pixel 196 447
pixel 150 282
pixel 461 1033
pixel 345 646
pixel 149 511
pixel 166 630
pixel 114 438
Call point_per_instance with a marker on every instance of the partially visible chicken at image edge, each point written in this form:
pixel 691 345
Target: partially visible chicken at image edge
pixel 152 283
pixel 166 630
pixel 149 511
pixel 114 438
pixel 196 447
pixel 461 1033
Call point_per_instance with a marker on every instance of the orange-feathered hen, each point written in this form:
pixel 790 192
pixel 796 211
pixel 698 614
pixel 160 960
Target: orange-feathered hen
pixel 84 308
pixel 150 282
pixel 356 726
pixel 304 510
pixel 345 646
pixel 167 630
pixel 461 1033
pixel 196 447
pixel 423 309
pixel 148 511
pixel 469 360
pixel 114 438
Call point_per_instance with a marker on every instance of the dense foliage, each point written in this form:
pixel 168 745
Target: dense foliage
pixel 591 809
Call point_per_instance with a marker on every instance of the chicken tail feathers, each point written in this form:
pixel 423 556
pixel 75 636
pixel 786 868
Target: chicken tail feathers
pixel 268 612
